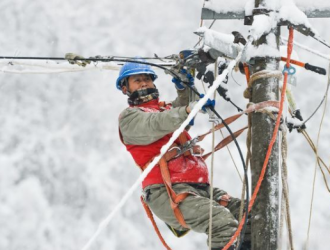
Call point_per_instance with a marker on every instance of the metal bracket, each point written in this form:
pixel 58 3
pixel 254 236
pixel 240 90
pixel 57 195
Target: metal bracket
pixel 248 20
pixel 212 117
pixel 208 14
pixel 300 27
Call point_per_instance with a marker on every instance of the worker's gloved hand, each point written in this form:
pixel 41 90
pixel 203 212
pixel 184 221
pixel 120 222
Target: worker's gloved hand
pixel 178 82
pixel 74 59
pixel 209 104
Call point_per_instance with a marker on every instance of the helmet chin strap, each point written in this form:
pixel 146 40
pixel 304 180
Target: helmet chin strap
pixel 125 83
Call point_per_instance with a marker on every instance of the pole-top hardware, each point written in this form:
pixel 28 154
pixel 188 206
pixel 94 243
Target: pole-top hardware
pixel 208 14
pixel 248 20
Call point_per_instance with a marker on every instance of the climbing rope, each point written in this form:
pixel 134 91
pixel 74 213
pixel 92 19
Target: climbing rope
pixel 247 162
pixel 320 160
pixel 316 163
pixel 272 142
pixel 285 189
pixel 260 75
pixel 248 139
pixel 232 157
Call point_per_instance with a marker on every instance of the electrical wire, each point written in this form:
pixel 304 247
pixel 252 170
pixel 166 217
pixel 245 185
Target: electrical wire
pixel 308 49
pixel 245 175
pixel 318 107
pixel 97 58
pixel 232 76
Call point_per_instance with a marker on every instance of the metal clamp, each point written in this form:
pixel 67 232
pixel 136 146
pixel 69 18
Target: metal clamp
pixel 212 117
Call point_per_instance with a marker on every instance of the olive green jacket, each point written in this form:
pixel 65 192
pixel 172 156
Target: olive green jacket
pixel 142 128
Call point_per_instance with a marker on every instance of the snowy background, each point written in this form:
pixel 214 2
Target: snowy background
pixel 62 165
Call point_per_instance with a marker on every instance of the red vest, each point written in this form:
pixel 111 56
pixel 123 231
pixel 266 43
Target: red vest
pixel 188 169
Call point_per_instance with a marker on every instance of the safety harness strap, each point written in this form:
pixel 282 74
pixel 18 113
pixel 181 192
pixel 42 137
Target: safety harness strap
pixel 250 109
pixel 225 142
pixel 175 199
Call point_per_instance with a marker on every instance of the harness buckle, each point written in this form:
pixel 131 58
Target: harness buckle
pixel 178 150
pixel 188 146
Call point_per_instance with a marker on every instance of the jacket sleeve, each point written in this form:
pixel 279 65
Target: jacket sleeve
pixel 184 96
pixel 142 128
pixel 182 99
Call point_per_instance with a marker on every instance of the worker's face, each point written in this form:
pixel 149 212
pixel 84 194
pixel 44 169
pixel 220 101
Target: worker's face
pixel 137 82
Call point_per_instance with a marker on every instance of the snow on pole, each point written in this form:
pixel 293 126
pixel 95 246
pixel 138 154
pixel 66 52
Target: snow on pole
pixel 164 149
pixel 223 43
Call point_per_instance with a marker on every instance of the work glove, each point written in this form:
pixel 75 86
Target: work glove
pixel 209 103
pixel 179 84
pixel 74 59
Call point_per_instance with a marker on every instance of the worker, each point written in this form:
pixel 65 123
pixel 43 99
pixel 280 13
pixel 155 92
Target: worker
pixel 145 126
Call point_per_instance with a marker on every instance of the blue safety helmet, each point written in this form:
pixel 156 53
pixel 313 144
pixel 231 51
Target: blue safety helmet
pixel 130 69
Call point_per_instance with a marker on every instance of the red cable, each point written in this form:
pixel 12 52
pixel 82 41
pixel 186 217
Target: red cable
pixel 270 147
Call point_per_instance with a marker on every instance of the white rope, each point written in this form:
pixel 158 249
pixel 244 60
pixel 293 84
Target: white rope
pixel 317 160
pixel 285 188
pixel 50 66
pixel 212 168
pixel 164 149
pixel 308 49
pixel 211 190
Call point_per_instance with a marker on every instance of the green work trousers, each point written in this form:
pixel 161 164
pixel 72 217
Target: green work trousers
pixel 196 211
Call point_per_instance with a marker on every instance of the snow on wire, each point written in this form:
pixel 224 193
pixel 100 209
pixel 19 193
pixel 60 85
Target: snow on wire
pixel 326 57
pixel 164 149
pixel 50 66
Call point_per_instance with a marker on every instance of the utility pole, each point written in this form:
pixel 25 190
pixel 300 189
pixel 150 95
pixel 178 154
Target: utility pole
pixel 265 212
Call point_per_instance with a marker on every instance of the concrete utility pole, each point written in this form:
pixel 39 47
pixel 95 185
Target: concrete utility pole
pixel 265 212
